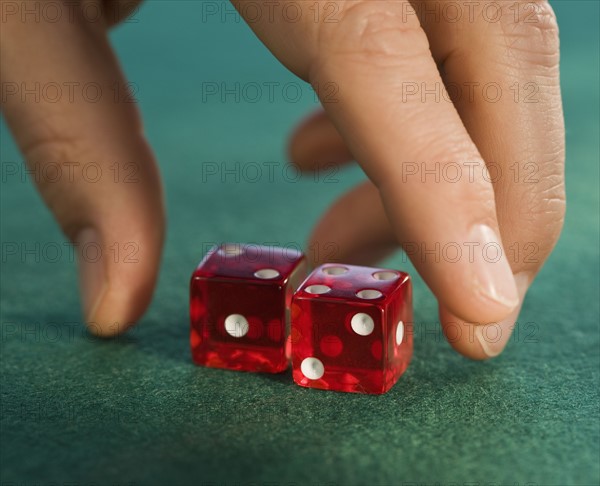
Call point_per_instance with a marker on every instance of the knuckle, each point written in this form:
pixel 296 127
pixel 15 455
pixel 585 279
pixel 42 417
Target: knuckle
pixel 531 38
pixel 540 218
pixel 547 206
pixel 374 29
pixel 53 149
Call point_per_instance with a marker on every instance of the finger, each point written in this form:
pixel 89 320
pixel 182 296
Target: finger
pixel 316 144
pixel 519 130
pixel 354 230
pixel 377 45
pixel 114 213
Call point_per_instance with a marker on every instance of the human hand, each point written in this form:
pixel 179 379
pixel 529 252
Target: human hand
pixel 373 52
pixel 118 217
pixel 369 53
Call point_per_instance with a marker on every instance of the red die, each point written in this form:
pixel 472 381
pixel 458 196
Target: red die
pixel 240 297
pixel 352 329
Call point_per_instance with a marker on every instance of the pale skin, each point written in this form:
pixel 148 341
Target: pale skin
pixel 372 52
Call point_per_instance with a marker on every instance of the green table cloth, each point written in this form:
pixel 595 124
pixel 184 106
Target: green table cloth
pixel 135 410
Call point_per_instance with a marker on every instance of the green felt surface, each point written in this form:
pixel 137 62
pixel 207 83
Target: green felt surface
pixel 135 410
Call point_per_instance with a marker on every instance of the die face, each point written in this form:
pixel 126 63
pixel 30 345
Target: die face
pixel 352 283
pixel 323 334
pixel 234 261
pixel 238 319
pixel 344 338
pixel 234 328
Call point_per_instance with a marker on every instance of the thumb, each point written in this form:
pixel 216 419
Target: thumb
pixel 108 198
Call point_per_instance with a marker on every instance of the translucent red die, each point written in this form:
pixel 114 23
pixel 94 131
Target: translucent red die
pixel 352 329
pixel 240 297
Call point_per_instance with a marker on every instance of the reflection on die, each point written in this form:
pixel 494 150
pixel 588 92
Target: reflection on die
pixel 240 297
pixel 352 329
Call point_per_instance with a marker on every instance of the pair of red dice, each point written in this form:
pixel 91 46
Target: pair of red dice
pixel 350 326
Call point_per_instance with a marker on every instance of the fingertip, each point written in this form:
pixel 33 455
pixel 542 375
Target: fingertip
pixel 354 230
pixel 475 307
pixel 296 149
pixel 117 310
pixel 123 300
pixel 119 265
pixel 477 341
pixel 482 340
pixel 316 143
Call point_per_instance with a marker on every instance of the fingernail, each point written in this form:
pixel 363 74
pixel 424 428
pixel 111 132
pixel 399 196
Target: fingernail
pixel 494 337
pixel 92 274
pixel 493 277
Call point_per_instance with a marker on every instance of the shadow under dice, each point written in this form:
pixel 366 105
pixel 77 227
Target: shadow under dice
pixel 352 329
pixel 240 296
